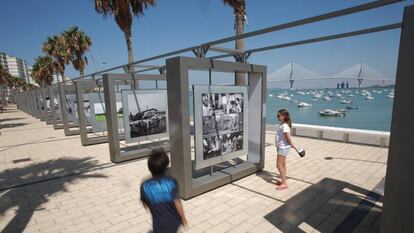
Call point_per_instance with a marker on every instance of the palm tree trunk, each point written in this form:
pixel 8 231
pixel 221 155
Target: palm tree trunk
pixel 240 76
pixel 3 95
pixel 63 77
pixel 128 39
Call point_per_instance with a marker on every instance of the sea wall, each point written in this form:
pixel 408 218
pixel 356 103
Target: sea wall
pixel 347 135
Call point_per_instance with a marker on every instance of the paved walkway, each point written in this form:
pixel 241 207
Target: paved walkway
pixel 50 183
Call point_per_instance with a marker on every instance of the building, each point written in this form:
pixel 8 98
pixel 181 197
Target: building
pixel 56 78
pixel 16 67
pixel 30 77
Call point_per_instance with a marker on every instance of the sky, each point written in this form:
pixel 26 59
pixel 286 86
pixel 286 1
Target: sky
pixel 172 25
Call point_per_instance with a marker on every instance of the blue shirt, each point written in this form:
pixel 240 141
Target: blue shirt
pixel 159 193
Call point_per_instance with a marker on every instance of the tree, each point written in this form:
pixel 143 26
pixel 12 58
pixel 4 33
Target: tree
pixel 239 10
pixel 123 12
pixel 4 79
pixel 4 75
pixel 77 44
pixel 55 46
pixel 43 70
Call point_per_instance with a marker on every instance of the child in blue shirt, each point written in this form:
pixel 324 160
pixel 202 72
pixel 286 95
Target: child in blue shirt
pixel 160 195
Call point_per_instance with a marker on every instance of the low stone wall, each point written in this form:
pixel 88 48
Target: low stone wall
pixel 358 136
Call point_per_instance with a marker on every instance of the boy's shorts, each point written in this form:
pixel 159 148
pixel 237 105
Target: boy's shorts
pixel 283 151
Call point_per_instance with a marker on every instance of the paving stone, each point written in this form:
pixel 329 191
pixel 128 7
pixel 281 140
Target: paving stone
pixel 104 197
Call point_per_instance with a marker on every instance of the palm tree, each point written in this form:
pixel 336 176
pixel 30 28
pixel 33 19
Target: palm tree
pixel 77 43
pixel 123 12
pixel 55 47
pixel 43 70
pixel 239 10
pixel 4 79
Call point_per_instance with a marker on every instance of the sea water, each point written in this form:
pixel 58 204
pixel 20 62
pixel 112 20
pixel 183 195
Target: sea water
pixel 374 114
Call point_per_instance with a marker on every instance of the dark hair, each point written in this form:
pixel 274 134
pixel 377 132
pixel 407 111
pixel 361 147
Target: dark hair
pixel 158 162
pixel 286 114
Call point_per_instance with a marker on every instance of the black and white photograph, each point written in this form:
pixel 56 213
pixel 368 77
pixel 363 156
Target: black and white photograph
pixel 71 104
pixel 220 119
pixel 222 123
pixel 145 114
pixel 58 112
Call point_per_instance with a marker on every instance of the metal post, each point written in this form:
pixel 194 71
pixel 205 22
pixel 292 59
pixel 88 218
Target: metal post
pixel 360 76
pixel 397 215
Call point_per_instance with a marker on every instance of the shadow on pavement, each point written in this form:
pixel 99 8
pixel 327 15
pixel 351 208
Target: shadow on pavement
pixel 360 160
pixel 27 188
pixel 328 206
pixel 11 119
pixel 11 125
pixel 273 178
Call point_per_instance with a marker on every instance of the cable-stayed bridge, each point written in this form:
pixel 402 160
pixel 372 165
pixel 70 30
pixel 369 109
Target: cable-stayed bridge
pixel 294 73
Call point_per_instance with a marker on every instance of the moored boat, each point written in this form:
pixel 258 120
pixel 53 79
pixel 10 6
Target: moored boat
pixel 330 112
pixel 303 104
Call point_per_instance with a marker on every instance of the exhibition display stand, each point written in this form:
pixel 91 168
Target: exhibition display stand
pixel 192 175
pixel 121 150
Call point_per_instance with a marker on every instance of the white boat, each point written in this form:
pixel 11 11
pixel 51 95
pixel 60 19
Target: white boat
pixel 286 98
pixel 368 97
pixel 317 96
pixel 352 107
pixel 301 93
pixel 303 104
pixel 327 98
pixel 330 112
pixel 346 101
pixel 350 95
pixel 271 95
pixel 391 96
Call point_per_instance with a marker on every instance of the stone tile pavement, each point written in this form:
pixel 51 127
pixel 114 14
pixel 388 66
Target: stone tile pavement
pixel 66 187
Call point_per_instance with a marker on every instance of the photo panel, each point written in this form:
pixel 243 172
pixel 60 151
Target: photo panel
pixel 220 117
pixel 56 101
pixel 98 112
pixel 145 114
pixel 72 108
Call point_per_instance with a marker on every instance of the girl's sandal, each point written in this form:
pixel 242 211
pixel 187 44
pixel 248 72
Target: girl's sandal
pixel 277 183
pixel 281 187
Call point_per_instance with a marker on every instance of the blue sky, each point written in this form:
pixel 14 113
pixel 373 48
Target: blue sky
pixel 172 25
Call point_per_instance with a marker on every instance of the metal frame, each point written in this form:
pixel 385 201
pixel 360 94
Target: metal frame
pixel 198 123
pixel 84 130
pixel 48 115
pixel 397 214
pixel 55 94
pixel 26 102
pixel 180 129
pixel 118 154
pixel 39 99
pixel 70 128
